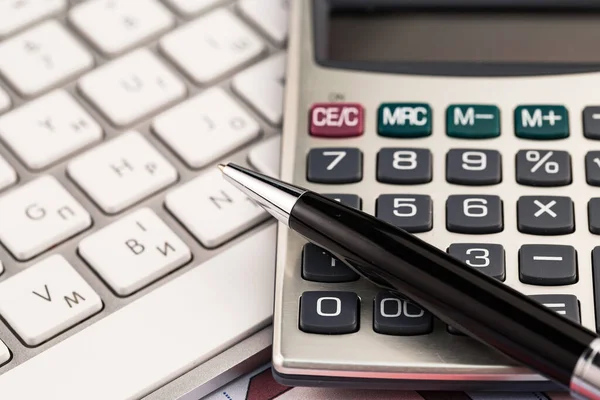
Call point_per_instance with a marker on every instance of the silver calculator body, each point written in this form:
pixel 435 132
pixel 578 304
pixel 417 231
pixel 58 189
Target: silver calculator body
pixel 525 91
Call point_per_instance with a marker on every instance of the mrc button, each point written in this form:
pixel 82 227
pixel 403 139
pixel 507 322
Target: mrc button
pixel 541 122
pixel 336 120
pixel 404 120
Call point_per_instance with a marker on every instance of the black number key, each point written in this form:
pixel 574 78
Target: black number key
pixel 411 212
pixel 485 257
pixel 473 167
pixel 397 316
pixel 350 200
pixel 543 168
pixel 404 166
pixel 329 312
pixel 476 214
pixel 592 168
pixel 320 266
pixel 564 304
pixel 545 215
pixel 334 165
pixel 547 265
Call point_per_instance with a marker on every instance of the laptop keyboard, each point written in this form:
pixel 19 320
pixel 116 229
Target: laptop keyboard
pixel 113 115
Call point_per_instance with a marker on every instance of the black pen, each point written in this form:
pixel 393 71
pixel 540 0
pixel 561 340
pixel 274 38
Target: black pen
pixel 463 297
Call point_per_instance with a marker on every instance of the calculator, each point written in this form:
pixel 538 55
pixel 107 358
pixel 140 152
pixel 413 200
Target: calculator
pixel 475 127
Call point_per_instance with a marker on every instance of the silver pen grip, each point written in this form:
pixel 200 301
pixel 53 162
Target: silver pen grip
pixel 585 382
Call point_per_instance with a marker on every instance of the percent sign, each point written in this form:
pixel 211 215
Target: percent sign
pixel 534 156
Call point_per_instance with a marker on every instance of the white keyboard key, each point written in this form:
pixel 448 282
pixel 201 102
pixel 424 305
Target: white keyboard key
pixel 39 215
pixel 48 129
pixel 269 15
pixel 46 299
pixel 115 26
pixel 42 57
pixel 121 172
pixel 132 87
pixel 212 45
pixel 134 251
pixel 206 127
pixel 161 335
pixel 212 209
pixel 4 100
pixel 266 155
pixel 17 14
pixel 192 7
pixel 262 86
pixel 8 176
pixel 4 353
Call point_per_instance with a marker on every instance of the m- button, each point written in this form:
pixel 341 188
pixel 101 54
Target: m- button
pixel 404 120
pixel 541 122
pixel 336 120
pixel 472 121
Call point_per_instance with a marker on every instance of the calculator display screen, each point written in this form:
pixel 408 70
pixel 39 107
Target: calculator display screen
pixel 429 36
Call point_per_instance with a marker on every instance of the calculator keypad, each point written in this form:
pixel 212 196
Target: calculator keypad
pixel 543 168
pixel 404 165
pixel 504 198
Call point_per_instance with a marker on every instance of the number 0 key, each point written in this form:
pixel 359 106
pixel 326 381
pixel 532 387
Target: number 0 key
pixel 334 165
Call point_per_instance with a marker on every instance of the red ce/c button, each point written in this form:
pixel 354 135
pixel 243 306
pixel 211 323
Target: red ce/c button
pixel 336 120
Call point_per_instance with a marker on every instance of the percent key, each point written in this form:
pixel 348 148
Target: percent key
pixel 543 168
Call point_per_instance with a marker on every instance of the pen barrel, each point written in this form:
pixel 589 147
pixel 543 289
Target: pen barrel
pixel 480 306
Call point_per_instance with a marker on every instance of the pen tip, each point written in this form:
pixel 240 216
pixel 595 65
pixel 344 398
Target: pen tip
pixel 221 166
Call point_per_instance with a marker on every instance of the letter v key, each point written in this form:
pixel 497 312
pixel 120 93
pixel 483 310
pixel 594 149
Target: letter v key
pixel 46 297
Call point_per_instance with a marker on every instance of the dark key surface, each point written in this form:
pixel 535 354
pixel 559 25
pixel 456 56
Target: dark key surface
pixel 592 168
pixel 594 215
pixel 397 316
pixel 319 265
pixel 473 167
pixel 474 214
pixel 563 304
pixel 596 280
pixel 334 165
pixel 545 215
pixel 404 166
pixel 411 212
pixel 351 200
pixel 329 312
pixel 543 168
pixel 485 257
pixel 547 265
pixel 591 122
